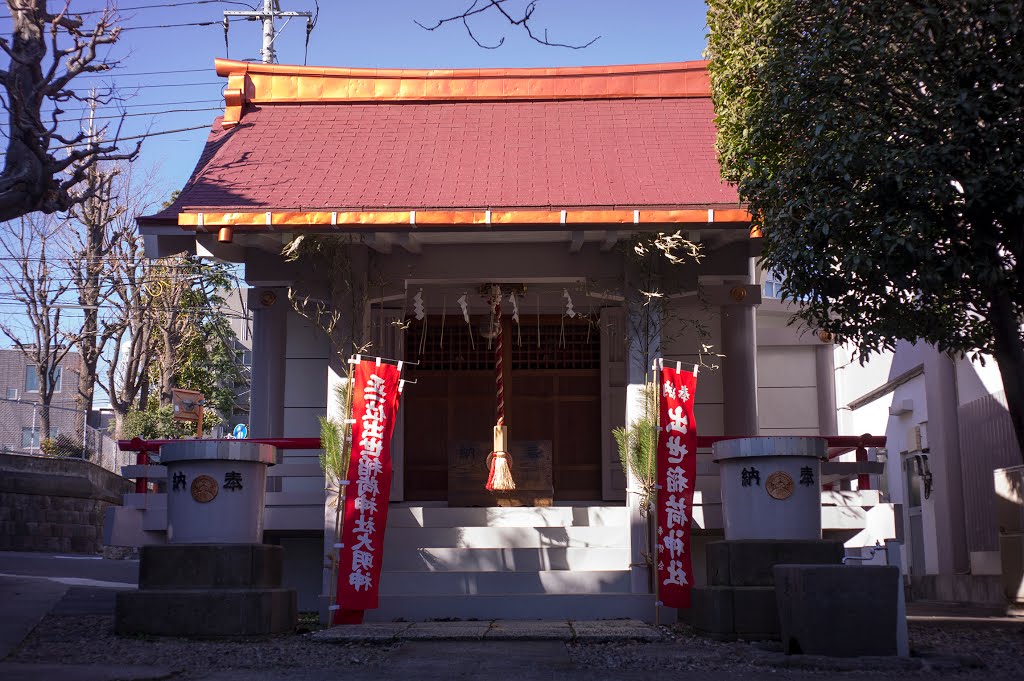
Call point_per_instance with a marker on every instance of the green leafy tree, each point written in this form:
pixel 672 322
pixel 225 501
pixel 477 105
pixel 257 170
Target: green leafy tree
pixel 880 147
pixel 156 422
pixel 195 343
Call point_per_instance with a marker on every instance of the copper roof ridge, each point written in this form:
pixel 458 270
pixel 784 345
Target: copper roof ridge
pixel 226 67
pixel 257 83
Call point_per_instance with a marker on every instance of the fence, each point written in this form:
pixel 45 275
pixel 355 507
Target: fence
pixel 69 436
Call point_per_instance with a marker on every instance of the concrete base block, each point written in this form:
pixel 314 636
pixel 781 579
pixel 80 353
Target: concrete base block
pixel 841 611
pixel 212 566
pixel 749 562
pixel 727 612
pixel 206 613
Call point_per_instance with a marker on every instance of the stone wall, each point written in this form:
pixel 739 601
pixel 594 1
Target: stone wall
pixel 51 504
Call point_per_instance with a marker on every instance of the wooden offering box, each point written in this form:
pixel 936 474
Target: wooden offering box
pixel 531 470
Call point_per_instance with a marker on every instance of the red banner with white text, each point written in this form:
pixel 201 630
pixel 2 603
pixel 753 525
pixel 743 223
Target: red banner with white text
pixel 374 406
pixel 677 472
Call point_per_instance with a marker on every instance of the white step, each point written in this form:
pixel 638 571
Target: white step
pixel 405 538
pixel 491 583
pixel 515 607
pixel 523 516
pixel 518 560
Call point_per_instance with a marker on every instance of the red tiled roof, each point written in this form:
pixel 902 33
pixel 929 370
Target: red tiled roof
pixel 404 153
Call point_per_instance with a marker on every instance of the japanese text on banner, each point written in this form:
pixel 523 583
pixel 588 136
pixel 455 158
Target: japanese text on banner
pixel 374 404
pixel 677 472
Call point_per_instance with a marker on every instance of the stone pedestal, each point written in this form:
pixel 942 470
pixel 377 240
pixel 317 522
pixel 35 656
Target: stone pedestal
pixel 208 591
pixel 214 578
pixel 739 600
pixel 841 610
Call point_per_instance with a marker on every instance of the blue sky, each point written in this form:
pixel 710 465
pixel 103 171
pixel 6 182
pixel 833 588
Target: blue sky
pixel 365 33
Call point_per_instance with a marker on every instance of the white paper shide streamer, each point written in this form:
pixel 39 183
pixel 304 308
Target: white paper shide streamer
pixel 569 311
pixel 417 306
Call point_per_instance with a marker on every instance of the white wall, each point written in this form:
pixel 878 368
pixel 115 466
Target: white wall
pixel 305 395
pixel 787 390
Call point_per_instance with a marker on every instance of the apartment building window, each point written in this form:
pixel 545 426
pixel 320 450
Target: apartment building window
pixel 772 285
pixel 30 437
pixel 32 379
pixel 12 393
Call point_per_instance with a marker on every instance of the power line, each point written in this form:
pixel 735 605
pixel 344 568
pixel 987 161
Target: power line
pixel 142 73
pixel 165 5
pixel 133 106
pixel 194 23
pixel 140 87
pixel 157 113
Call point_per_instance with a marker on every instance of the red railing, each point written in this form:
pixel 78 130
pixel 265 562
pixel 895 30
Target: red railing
pixel 837 444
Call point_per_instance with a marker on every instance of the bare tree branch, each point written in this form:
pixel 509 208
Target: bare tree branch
pixel 42 166
pixel 31 273
pixel 517 20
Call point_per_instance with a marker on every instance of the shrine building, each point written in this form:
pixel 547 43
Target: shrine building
pixel 383 209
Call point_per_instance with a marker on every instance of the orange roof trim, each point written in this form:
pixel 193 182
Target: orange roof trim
pixel 288 220
pixel 286 84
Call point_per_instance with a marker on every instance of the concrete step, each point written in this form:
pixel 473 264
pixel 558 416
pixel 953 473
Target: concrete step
pixel 506 560
pixel 395 583
pixel 405 538
pixel 524 516
pixel 419 608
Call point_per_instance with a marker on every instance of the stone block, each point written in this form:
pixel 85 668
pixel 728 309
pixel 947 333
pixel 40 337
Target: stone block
pixel 712 609
pixel 206 613
pixel 213 566
pixel 735 612
pixel 755 612
pixel 840 610
pixel 749 562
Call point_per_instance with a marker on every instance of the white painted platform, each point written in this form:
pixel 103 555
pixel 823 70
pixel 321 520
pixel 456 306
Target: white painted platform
pixel 510 563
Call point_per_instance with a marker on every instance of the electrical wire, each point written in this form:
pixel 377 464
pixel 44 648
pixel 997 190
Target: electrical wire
pixel 166 5
pixel 133 106
pixel 142 73
pixel 156 113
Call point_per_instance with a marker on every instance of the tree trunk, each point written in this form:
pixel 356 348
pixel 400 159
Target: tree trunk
pixel 24 184
pixel 167 382
pixel 1009 354
pixel 89 349
pixel 119 416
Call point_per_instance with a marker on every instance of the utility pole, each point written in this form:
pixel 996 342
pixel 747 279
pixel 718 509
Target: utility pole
pixel 271 11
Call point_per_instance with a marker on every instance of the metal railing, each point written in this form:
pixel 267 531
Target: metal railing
pixel 837 445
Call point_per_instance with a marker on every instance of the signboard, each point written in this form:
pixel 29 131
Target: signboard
pixel 188 405
pixel 677 473
pixel 374 405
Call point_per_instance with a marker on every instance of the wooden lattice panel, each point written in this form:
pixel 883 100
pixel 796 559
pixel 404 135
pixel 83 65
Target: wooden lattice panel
pixel 449 348
pixel 556 344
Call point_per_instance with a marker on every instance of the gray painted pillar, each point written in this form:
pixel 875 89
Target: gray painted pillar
pixel 825 375
pixel 943 402
pixel 269 308
pixel 739 369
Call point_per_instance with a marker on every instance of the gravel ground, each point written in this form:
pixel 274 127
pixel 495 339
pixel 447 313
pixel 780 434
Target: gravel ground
pixel 950 650
pixel 946 650
pixel 91 640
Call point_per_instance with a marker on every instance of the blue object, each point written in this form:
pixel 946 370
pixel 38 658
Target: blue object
pixel 240 432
